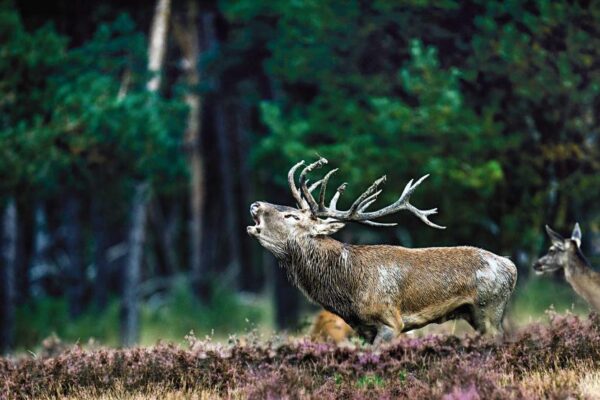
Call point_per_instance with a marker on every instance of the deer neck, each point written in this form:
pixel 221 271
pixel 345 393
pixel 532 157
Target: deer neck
pixel 314 264
pixel 584 280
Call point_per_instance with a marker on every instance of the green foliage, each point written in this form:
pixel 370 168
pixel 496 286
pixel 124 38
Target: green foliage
pixel 370 381
pixel 107 123
pixel 178 314
pixel 26 61
pixel 497 100
pixel 85 117
pixel 537 295
pixel 224 315
pixel 43 317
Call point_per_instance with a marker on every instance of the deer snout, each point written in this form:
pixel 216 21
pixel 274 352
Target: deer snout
pixel 254 208
pixel 254 211
pixel 538 266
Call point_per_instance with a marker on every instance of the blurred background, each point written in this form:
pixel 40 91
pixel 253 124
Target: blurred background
pixel 135 134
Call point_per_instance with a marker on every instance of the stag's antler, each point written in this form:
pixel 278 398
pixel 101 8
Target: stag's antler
pixel 356 212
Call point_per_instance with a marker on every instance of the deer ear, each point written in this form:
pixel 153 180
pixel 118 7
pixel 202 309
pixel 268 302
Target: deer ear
pixel 576 235
pixel 555 237
pixel 325 229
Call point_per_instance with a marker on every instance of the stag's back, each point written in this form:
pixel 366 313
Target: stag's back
pixel 430 282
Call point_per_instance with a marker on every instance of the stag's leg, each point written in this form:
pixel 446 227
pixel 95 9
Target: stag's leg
pixel 495 285
pixel 391 326
pixel 477 320
pixel 488 320
pixel 384 334
pixel 368 333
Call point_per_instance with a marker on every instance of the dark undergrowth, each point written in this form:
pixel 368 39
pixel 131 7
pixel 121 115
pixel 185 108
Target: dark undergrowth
pixel 560 359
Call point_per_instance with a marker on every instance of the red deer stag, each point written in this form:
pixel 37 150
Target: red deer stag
pixel 379 290
pixel 566 254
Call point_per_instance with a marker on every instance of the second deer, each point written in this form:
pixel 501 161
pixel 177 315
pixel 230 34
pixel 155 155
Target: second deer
pixel 328 327
pixel 566 254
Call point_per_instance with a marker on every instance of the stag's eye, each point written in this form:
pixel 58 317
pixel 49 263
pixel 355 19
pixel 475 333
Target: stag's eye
pixel 292 216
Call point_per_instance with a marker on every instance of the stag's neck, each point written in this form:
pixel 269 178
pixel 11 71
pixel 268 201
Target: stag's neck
pixel 314 254
pixel 584 280
pixel 322 268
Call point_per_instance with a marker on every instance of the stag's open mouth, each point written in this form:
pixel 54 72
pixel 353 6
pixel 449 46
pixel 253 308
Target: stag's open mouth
pixel 254 229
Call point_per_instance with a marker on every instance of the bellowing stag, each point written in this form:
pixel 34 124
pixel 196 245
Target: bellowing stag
pixel 379 290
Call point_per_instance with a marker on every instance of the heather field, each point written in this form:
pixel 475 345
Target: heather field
pixel 558 359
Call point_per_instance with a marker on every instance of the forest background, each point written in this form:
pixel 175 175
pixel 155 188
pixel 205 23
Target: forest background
pixel 125 185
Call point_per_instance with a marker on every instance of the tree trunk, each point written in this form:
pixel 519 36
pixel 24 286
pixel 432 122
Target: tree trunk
pixel 7 277
pixel 158 38
pixel 163 235
pixel 226 160
pixel 132 273
pixel 130 304
pixel 25 243
pixel 186 33
pixel 42 243
pixel 251 276
pixel 75 273
pixel 101 244
pixel 228 190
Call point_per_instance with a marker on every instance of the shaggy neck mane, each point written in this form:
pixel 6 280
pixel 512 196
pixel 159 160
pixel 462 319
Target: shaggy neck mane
pixel 312 252
pixel 321 268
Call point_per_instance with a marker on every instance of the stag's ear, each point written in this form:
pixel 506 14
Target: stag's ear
pixel 576 235
pixel 556 239
pixel 325 229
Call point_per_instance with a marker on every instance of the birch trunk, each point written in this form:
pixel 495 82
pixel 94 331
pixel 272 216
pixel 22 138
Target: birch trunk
pixel 158 45
pixel 186 33
pixel 7 277
pixel 75 273
pixel 226 160
pixel 101 244
pixel 137 236
pixel 137 231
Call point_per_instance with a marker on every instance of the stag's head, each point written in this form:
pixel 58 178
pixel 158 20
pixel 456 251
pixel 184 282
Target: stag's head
pixel 560 252
pixel 275 225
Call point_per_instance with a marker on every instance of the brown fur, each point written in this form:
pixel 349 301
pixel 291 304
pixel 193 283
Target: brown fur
pixel 329 327
pixel 566 253
pixel 383 290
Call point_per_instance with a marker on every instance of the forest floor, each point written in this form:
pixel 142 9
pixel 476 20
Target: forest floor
pixel 558 359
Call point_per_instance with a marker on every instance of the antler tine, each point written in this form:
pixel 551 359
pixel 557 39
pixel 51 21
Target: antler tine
pixel 315 185
pixel 292 183
pixel 373 223
pixel 422 214
pixel 368 201
pixel 356 212
pixel 324 189
pixel 410 188
pixel 305 191
pixel 403 204
pixel 336 196
pixel 367 193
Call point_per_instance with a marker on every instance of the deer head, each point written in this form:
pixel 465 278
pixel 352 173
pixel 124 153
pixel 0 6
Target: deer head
pixel 276 224
pixel 561 251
